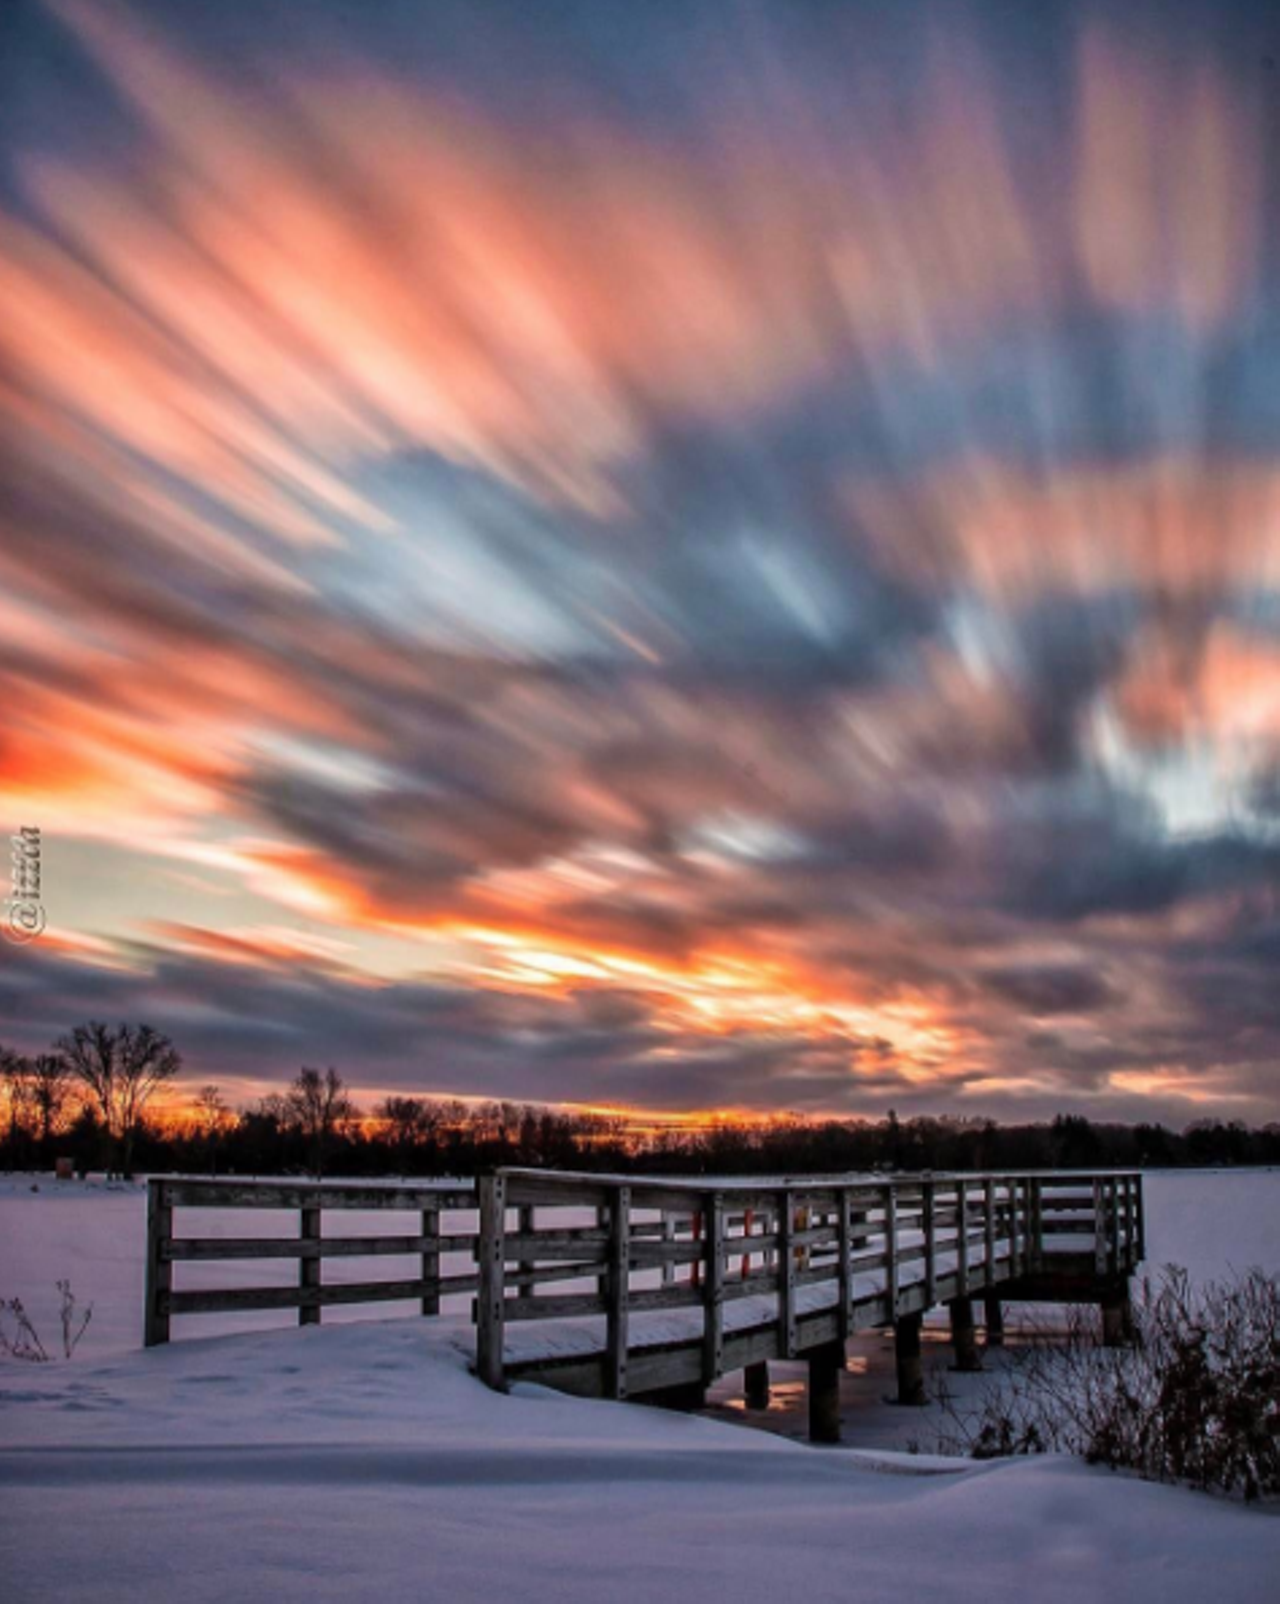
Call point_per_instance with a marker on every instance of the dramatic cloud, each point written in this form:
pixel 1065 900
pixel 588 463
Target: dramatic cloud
pixel 726 560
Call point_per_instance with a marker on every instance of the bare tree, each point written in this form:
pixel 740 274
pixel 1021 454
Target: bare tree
pixel 318 1105
pixel 213 1120
pixel 50 1092
pixel 121 1070
pixel 410 1123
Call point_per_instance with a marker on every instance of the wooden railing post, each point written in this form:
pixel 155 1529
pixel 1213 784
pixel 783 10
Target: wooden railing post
pixel 787 1333
pixel 1140 1245
pixel 844 1271
pixel 668 1236
pixel 891 1250
pixel 619 1279
pixel 309 1266
pixel 929 1225
pixel 490 1307
pixel 431 1260
pixel 989 1230
pixel 962 1238
pixel 525 1220
pixel 1099 1227
pixel 1037 1222
pixel 159 1266
pixel 713 1292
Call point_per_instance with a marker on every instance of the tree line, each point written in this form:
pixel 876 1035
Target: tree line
pixel 89 1098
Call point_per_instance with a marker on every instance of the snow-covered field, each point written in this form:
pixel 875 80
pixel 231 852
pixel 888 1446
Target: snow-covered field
pixel 361 1460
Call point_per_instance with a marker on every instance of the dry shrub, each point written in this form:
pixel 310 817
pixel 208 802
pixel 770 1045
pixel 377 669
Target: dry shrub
pixel 1195 1398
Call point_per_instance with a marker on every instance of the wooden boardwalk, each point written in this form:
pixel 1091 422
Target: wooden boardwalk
pixel 639 1288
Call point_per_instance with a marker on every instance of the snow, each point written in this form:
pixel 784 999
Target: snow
pixel 361 1460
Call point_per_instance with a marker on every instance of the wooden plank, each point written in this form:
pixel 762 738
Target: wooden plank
pixel 585 1244
pixel 615 1367
pixel 526 1217
pixel 293 1195
pixel 204 1249
pixel 309 1267
pixel 491 1304
pixel 787 1332
pixel 844 1231
pixel 962 1234
pixel 431 1260
pixel 159 1267
pixel 298 1297
pixel 891 1251
pixel 564 1306
pixel 713 1292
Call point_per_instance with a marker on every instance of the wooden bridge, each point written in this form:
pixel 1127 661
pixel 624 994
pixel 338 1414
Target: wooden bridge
pixel 641 1288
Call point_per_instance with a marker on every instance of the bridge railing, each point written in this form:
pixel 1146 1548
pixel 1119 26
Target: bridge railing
pixel 626 1264
pixel 180 1232
pixel 643 1277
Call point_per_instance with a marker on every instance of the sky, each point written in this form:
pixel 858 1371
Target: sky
pixel 703 557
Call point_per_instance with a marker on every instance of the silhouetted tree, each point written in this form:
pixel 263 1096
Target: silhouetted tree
pixel 121 1070
pixel 318 1105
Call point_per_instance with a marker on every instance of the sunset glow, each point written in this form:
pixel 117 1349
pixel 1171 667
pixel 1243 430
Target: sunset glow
pixel 722 563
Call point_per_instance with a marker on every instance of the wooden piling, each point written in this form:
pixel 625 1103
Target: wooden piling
pixel 963 1336
pixel 993 1316
pixel 825 1364
pixel 1117 1318
pixel 910 1365
pixel 755 1385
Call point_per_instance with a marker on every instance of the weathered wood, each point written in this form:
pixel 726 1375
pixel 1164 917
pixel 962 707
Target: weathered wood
pixel 615 1374
pixel 309 1267
pixel 560 1306
pixel 431 1260
pixel 159 1271
pixel 491 1303
pixel 1117 1319
pixel 786 1280
pixel 228 1194
pixel 844 1273
pixel 891 1251
pixel 962 1234
pixel 525 1220
pixel 908 1362
pixel 214 1248
pixel 755 1384
pixel 929 1225
pixel 713 1293
pixel 246 1299
pixel 825 1365
pixel 993 1319
pixel 964 1338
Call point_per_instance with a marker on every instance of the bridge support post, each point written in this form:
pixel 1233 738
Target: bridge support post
pixel 906 1343
pixel 964 1339
pixel 993 1318
pixel 825 1364
pixel 1117 1318
pixel 755 1385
